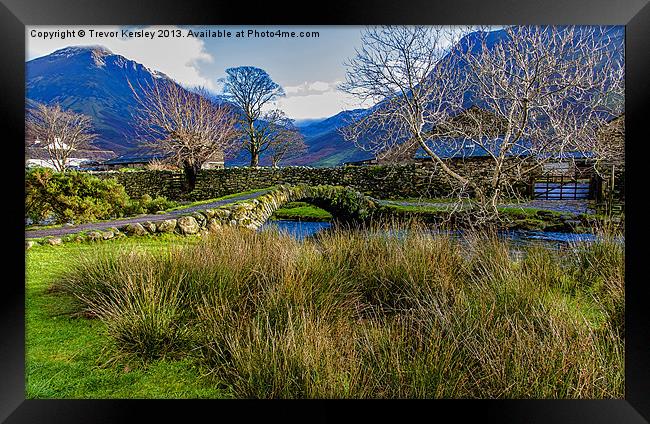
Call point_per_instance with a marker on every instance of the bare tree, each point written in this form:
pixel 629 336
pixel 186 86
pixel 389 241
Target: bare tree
pixel 543 93
pixel 252 89
pixel 553 88
pixel 281 137
pixel 410 75
pixel 185 127
pixel 610 146
pixel 59 132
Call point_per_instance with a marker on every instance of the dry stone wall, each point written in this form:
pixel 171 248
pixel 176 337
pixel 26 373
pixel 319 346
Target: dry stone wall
pixel 154 183
pixel 379 181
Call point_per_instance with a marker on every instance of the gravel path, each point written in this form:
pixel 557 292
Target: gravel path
pixel 61 231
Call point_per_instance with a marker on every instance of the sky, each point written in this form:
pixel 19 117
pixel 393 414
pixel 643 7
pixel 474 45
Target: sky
pixel 308 68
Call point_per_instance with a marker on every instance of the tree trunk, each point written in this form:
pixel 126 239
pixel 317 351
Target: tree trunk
pixel 254 147
pixel 190 171
pixel 255 158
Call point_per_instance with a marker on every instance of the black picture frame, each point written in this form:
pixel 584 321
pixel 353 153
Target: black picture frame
pixel 16 14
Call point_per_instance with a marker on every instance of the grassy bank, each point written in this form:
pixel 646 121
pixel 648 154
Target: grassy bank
pixel 66 353
pixel 351 314
pixel 302 211
pixel 512 218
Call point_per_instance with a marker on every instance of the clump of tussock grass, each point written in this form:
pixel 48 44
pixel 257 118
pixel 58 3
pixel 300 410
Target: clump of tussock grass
pixel 381 312
pixel 139 296
pixel 598 269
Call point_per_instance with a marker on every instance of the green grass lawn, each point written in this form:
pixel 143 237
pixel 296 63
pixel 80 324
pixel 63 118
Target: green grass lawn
pixel 307 212
pixel 531 218
pixel 67 356
pixel 421 205
pixel 302 211
pixel 425 199
pixel 42 227
pixel 416 208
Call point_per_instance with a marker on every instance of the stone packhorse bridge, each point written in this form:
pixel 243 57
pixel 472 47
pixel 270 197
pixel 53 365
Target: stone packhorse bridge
pixel 343 203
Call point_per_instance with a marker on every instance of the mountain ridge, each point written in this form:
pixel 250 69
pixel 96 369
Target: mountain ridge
pixel 93 80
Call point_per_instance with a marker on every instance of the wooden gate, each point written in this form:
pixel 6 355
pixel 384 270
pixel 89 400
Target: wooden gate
pixel 560 187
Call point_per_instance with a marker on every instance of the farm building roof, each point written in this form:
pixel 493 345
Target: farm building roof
pixel 138 156
pixel 451 148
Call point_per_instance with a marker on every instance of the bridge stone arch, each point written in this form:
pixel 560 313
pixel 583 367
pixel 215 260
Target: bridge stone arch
pixel 345 204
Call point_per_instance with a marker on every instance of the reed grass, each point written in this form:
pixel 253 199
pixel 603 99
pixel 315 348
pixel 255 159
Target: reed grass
pixel 371 313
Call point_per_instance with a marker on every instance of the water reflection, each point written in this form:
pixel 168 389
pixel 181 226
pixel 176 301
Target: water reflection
pixel 298 229
pixel 519 238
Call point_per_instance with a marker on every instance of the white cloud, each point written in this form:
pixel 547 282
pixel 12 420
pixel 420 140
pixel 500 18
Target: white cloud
pixel 310 88
pixel 317 99
pixel 179 58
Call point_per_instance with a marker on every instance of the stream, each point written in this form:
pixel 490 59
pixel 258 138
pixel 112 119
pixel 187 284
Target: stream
pixel 555 240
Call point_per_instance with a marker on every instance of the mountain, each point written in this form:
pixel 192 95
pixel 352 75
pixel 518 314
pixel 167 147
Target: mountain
pixel 94 81
pixel 327 147
pixel 323 126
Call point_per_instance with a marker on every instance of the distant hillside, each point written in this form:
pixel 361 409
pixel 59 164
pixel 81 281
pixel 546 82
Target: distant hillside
pixel 92 80
pixel 325 145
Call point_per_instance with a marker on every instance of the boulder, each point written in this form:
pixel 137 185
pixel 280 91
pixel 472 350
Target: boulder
pixel 562 227
pixel 222 214
pixel 188 225
pixel 106 235
pixel 214 225
pixel 135 230
pixel 55 241
pixel 95 236
pixel 115 231
pixel 200 218
pixel 149 226
pixel 166 226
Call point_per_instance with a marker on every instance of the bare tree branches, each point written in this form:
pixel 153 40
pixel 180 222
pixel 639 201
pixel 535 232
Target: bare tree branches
pixel 58 131
pixel 409 71
pixel 284 139
pixel 552 87
pixel 185 126
pixel 540 94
